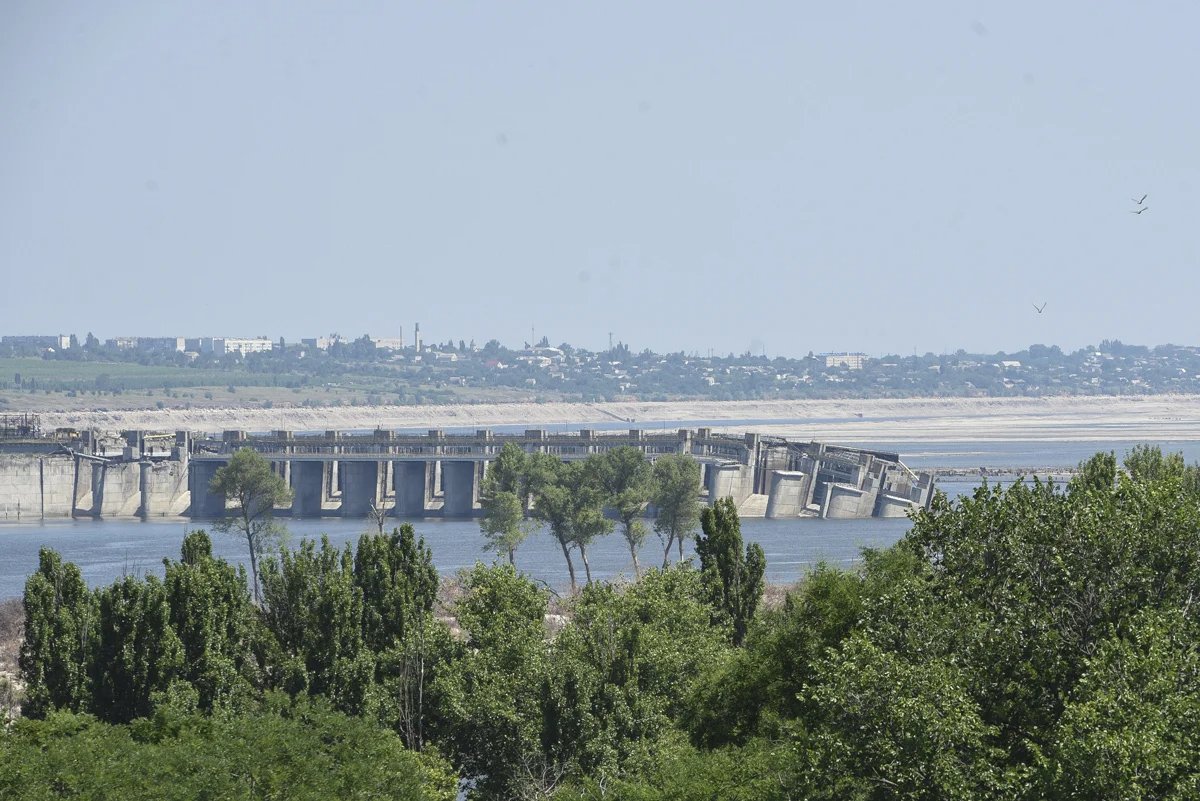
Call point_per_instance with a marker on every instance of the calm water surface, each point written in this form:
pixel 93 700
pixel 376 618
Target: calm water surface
pixel 108 549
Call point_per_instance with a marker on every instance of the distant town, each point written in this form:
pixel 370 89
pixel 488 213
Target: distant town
pixel 372 370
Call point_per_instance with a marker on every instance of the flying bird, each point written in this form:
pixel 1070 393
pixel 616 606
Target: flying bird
pixel 1039 308
pixel 1139 211
pixel 1140 200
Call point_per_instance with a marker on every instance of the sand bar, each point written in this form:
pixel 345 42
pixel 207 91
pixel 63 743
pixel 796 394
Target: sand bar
pixel 1063 419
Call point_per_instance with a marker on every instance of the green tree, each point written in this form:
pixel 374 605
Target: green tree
pixel 56 652
pixel 1132 726
pixel 588 521
pixel 621 670
pixel 762 771
pixel 217 625
pixel 760 689
pixel 399 585
pixel 503 523
pixel 1148 463
pixel 627 480
pixel 892 728
pixel 315 610
pixel 503 498
pixel 1023 585
pixel 572 505
pixel 300 751
pixel 676 496
pixel 1097 473
pixel 734 578
pixel 256 490
pixel 488 716
pixel 137 653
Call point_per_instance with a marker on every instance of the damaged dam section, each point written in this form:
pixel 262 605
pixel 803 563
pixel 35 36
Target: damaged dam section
pixel 437 474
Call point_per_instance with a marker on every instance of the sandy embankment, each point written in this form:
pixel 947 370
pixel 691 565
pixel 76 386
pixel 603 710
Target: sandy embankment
pixel 1155 418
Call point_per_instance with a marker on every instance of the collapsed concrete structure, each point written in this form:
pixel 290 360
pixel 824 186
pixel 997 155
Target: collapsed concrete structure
pixel 137 473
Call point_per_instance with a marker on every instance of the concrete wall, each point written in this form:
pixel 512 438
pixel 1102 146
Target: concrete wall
pixel 36 486
pixel 411 481
pixel 893 506
pixel 845 501
pixel 308 488
pixel 460 487
pixel 730 480
pixel 789 494
pixel 164 489
pixel 360 487
pixel 204 503
pixel 117 489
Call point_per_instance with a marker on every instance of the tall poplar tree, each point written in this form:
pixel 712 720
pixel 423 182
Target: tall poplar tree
pixel 733 577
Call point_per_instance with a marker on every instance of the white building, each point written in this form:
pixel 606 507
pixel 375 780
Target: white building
pixel 226 345
pixel 852 361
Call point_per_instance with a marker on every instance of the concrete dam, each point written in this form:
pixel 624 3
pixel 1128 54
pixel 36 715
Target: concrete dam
pixel 436 474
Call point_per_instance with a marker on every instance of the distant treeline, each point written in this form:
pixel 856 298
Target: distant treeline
pixel 460 371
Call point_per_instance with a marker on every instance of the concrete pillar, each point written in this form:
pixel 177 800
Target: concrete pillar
pixel 844 501
pixel 387 484
pixel 892 506
pixel 788 494
pixel 730 480
pixel 205 503
pixel 82 504
pixel 145 487
pixel 461 489
pixel 412 488
pixel 360 488
pixel 308 488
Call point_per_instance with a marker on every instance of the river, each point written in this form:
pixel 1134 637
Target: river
pixel 108 549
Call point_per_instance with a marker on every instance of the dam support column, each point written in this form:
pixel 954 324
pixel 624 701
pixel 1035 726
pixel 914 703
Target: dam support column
pixel 145 490
pixel 412 488
pixel 205 503
pixel 360 488
pixel 730 480
pixel 83 504
pixel 789 490
pixel 460 488
pixel 308 488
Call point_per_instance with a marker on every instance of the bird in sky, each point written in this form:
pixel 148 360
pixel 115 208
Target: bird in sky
pixel 1140 200
pixel 1139 211
pixel 1040 308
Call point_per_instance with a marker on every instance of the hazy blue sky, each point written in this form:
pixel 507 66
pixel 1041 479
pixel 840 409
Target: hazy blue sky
pixel 790 176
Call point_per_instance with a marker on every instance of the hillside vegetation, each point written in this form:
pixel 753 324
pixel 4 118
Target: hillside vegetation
pixel 1028 642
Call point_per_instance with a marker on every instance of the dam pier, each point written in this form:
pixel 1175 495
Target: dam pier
pixel 69 473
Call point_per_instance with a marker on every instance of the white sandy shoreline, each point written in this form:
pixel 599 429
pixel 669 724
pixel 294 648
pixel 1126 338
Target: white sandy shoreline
pixel 1064 419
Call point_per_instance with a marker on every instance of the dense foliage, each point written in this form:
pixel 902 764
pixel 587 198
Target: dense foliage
pixel 1026 642
pixel 285 750
pixel 576 499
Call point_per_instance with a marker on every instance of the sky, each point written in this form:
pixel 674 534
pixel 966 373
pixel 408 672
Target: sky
pixel 768 177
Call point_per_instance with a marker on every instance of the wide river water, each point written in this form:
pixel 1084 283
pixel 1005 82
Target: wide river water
pixel 108 549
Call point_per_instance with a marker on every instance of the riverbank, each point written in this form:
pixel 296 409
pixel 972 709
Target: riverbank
pixel 1062 419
